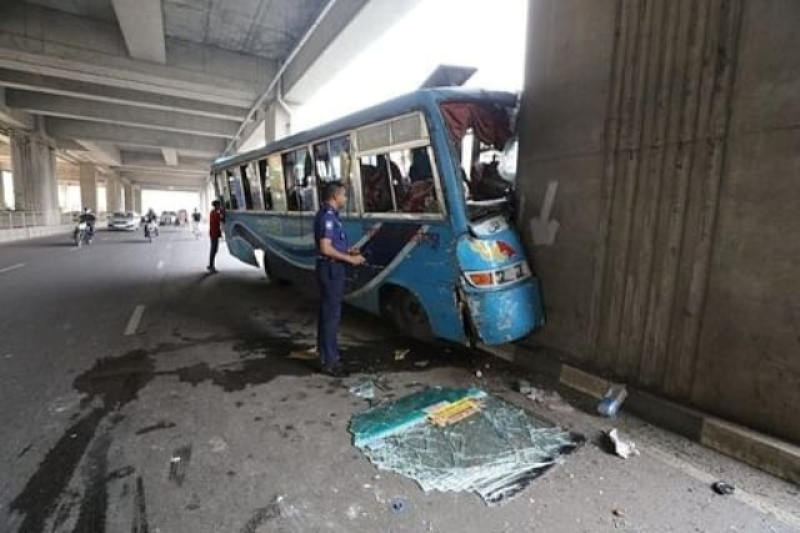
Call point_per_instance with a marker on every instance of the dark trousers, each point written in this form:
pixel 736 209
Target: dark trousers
pixel 330 278
pixel 214 250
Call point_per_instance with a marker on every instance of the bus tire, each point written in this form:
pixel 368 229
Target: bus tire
pixel 408 314
pixel 268 271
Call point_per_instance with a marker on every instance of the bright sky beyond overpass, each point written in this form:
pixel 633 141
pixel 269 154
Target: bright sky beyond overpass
pixel 487 35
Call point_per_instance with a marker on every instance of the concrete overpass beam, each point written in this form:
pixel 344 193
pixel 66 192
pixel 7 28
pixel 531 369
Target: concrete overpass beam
pixel 104 153
pixel 14 117
pixel 142 24
pixel 170 156
pixel 74 108
pixel 195 104
pixel 128 135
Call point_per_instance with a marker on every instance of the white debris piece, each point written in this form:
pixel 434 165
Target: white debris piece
pixel 623 448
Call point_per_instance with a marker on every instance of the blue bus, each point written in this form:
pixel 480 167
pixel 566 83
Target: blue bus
pixel 429 177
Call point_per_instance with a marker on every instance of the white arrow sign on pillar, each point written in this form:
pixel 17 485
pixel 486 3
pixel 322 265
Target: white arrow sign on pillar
pixel 542 228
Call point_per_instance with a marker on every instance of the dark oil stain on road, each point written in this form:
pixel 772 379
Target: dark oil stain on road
pixel 156 427
pixel 25 450
pixel 117 382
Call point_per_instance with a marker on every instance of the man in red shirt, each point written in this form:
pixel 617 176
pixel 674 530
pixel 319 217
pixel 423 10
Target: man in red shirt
pixel 216 218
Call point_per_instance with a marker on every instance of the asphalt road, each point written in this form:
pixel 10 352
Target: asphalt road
pixel 141 394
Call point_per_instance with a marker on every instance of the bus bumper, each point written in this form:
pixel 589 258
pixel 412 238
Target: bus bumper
pixel 502 316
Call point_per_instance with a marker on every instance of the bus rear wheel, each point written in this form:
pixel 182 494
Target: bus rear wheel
pixel 408 314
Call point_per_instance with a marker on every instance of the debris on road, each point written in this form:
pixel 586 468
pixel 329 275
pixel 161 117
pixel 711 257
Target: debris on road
pixel 623 448
pixel 281 516
pixel 723 489
pixel 364 388
pixel 478 374
pixel 398 505
pixel 618 512
pixel 422 364
pixel 399 355
pixel 610 404
pixel 495 451
pixel 179 463
pixel 309 354
pixel 549 399
pixel 524 387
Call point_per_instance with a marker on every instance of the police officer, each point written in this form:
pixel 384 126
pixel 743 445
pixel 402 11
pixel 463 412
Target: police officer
pixel 333 254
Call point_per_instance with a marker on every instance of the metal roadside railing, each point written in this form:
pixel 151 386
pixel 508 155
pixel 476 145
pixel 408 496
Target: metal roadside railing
pixel 30 219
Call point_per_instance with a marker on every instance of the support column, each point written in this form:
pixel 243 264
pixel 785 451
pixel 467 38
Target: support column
pixel 113 194
pixel 129 203
pixel 3 205
pixel 88 175
pixel 137 199
pixel 277 121
pixel 34 168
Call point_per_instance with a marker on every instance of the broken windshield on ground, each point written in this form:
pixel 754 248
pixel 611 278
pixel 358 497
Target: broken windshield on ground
pixel 484 137
pixel 487 446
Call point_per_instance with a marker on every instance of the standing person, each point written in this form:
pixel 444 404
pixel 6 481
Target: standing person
pixel 333 254
pixel 215 220
pixel 196 216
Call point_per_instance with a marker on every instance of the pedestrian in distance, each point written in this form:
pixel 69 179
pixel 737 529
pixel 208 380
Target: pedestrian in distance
pixel 215 220
pixel 333 257
pixel 196 217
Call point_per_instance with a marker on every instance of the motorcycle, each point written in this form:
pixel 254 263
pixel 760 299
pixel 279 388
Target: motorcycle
pixel 83 234
pixel 150 230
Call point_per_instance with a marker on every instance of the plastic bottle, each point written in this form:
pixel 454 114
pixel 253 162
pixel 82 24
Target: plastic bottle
pixel 610 404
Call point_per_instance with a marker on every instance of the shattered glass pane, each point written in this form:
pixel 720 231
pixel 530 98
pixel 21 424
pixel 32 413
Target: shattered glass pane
pixel 495 453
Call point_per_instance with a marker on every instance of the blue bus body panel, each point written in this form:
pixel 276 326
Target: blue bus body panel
pixel 415 255
pixel 508 312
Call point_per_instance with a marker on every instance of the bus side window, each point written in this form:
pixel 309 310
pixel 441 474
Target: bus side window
pixel 376 186
pixel 419 192
pixel 332 162
pixel 232 202
pixel 276 183
pixel 263 176
pixel 247 189
pixel 299 173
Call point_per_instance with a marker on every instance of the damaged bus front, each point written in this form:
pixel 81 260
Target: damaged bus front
pixel 500 296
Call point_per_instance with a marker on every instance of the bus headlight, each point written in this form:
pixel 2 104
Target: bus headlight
pixel 485 279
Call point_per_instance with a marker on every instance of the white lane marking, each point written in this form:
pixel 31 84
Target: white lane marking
pixel 160 264
pixel 133 323
pixel 12 267
pixel 758 503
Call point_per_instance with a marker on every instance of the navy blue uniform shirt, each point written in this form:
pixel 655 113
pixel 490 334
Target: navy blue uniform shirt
pixel 328 226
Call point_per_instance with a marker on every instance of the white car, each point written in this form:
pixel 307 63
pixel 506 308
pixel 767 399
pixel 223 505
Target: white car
pixel 168 218
pixel 125 221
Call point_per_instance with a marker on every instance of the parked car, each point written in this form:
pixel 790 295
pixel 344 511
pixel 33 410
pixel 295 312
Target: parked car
pixel 126 221
pixel 168 218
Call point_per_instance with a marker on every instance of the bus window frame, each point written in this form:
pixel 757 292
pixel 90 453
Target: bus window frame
pixel 309 153
pixel 410 145
pixel 355 210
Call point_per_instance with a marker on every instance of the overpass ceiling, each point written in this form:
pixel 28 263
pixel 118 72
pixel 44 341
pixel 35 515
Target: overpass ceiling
pixel 152 88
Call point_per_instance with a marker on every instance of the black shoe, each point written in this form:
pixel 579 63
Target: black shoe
pixel 335 372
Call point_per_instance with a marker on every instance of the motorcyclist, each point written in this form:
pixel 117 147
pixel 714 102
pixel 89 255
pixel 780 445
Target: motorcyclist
pixel 151 218
pixel 90 219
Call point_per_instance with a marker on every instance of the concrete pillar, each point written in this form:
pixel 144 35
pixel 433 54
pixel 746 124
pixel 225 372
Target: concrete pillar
pixel 128 193
pixel 88 176
pixel 34 168
pixel 137 199
pixel 664 137
pixel 277 122
pixel 113 194
pixel 3 205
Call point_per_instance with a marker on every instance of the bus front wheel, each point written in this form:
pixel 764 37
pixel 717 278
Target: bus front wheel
pixel 408 314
